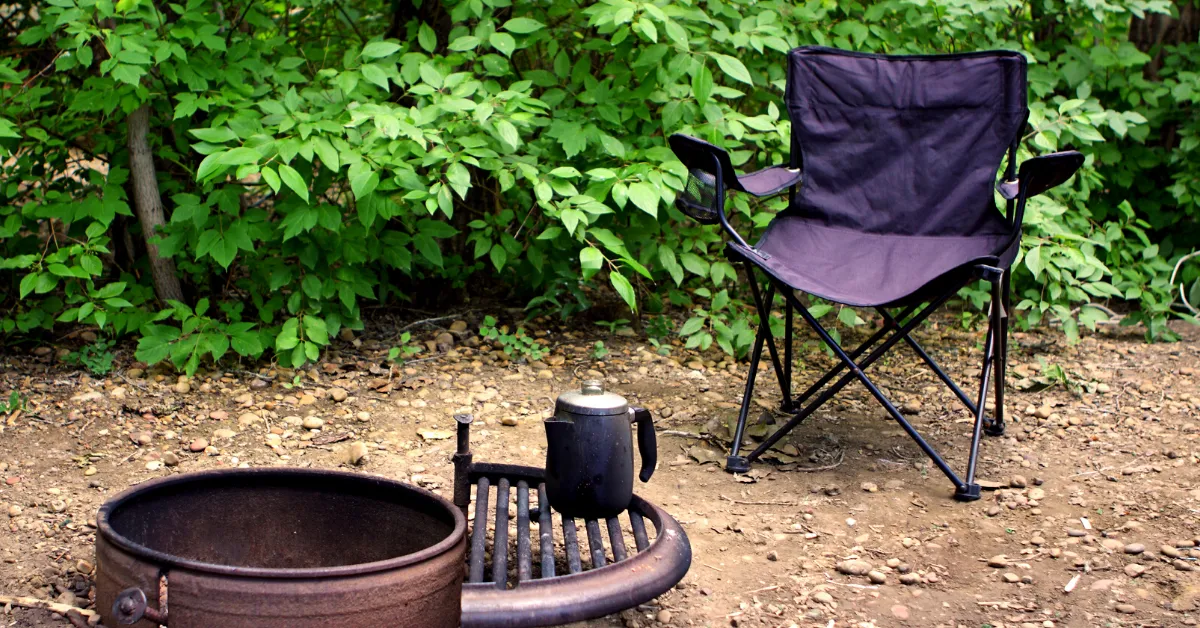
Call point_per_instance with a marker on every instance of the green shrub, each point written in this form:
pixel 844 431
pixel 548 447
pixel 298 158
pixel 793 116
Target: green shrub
pixel 316 155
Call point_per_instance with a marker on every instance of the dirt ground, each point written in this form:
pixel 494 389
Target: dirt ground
pixel 1097 481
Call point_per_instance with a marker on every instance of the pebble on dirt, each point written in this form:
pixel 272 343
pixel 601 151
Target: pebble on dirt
pixel 338 394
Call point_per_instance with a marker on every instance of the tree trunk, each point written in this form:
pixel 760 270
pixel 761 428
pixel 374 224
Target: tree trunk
pixel 148 204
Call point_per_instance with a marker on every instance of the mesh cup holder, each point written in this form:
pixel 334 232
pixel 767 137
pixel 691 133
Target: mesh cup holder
pixel 699 197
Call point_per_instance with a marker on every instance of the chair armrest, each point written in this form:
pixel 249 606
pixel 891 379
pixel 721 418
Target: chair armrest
pixel 769 181
pixel 1040 174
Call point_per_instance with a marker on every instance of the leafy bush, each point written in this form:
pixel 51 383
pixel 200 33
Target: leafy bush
pixel 317 155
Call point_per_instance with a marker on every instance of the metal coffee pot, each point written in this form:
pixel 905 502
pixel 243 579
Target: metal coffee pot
pixel 589 452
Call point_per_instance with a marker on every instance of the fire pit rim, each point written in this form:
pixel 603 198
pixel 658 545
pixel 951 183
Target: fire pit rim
pixel 106 531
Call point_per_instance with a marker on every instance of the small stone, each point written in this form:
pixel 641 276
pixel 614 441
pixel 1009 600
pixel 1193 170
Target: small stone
pixel 1017 481
pixel 900 612
pixel 1167 550
pixel 338 394
pixel 1127 609
pixel 83 566
pixel 854 567
pixel 999 561
pixel 993 511
pixel 14 510
pixel 435 434
pixel 183 388
pixel 911 407
pixel 931 577
pixel 224 434
pixel 249 419
pixel 1134 570
pixel 664 617
pixel 218 415
pixel 312 423
pixel 1076 532
pixel 363 417
pixel 154 465
pixel 170 459
pixel 1112 544
pixel 356 453
pixel 458 327
pixel 893 562
pixel 910 578
pixel 90 471
pixel 870 487
pixel 307 399
pixel 1135 548
pixel 833 490
pixel 135 373
pixel 1037 494
pixel 141 438
pixel 822 597
pixel 773 556
pixel 510 421
pixel 198 445
pixel 1011 577
pixel 259 383
pixel 545 374
pixel 878 577
pixel 1043 412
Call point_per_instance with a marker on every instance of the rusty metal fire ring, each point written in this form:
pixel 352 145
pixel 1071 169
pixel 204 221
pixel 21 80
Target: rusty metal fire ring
pixel 409 577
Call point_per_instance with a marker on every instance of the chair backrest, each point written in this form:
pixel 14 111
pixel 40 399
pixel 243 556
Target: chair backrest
pixel 906 145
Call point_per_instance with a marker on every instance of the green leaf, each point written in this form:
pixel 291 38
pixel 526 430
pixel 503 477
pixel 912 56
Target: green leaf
pixel 523 25
pixel 27 284
pixel 426 38
pixel 645 197
pixel 376 75
pixel 693 325
pixel 215 135
pixel 271 178
pixel 591 258
pixel 503 42
pixel 1033 260
pixel 508 133
pixel 498 256
pixel 240 156
pixel 694 264
pixel 733 68
pixel 316 330
pixel 428 248
pixel 667 257
pixel 377 49
pixel 464 43
pixel 363 180
pixel 294 181
pixel 625 289
pixel 702 85
pixel 326 152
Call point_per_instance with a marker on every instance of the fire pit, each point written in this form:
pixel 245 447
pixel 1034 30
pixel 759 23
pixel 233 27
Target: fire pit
pixel 269 548
pixel 627 562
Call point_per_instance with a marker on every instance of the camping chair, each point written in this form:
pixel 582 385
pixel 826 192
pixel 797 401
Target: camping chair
pixel 893 162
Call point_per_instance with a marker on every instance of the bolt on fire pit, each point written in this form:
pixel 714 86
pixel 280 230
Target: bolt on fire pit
pixel 565 584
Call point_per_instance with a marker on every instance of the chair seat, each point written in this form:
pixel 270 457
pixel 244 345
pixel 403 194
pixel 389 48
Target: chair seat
pixel 868 269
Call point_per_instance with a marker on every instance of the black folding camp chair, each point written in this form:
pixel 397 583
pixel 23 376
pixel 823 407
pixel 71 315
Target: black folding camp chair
pixel 893 163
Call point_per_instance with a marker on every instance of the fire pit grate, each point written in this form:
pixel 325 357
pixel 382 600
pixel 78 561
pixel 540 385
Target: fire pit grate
pixel 566 583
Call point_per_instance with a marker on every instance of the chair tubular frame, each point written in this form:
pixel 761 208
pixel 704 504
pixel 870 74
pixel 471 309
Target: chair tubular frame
pixel 895 328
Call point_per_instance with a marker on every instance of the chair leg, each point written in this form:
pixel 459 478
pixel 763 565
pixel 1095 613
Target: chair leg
pixel 736 463
pixel 971 491
pixel 786 384
pixel 1001 296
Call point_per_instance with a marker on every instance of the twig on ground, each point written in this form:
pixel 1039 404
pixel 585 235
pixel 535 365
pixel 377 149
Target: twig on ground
pixel 741 503
pixel 426 321
pixel 682 433
pixel 841 458
pixel 847 584
pixel 770 588
pixel 54 607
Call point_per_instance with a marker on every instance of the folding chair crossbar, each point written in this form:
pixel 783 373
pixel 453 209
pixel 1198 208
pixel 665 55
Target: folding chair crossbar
pixel 933 365
pixel 965 488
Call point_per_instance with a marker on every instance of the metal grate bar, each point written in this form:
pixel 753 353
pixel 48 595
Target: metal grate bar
pixel 596 544
pixel 546 531
pixel 479 534
pixel 500 549
pixel 617 540
pixel 524 553
pixel 571 542
pixel 639 531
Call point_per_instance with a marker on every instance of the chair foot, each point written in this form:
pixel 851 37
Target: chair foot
pixel 737 464
pixel 789 407
pixel 993 428
pixel 968 493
